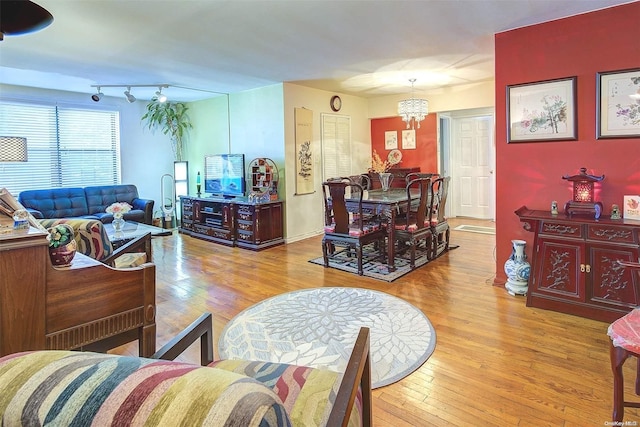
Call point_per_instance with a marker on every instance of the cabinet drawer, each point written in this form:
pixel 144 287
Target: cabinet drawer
pixel 561 229
pixel 245 216
pixel 245 236
pixel 611 233
pixel 245 226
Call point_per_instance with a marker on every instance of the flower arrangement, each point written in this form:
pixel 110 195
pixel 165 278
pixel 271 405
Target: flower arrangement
pixel 118 209
pixel 60 235
pixel 378 165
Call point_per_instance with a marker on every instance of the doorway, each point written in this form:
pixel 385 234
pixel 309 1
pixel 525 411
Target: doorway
pixel 467 154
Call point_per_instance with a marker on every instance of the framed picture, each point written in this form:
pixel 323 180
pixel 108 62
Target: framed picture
pixel 618 107
pixel 408 139
pixel 391 140
pixel 542 111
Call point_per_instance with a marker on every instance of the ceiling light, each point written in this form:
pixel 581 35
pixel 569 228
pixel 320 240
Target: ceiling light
pixel 97 96
pixel 159 96
pixel 13 149
pixel 413 110
pixel 21 17
pixel 130 98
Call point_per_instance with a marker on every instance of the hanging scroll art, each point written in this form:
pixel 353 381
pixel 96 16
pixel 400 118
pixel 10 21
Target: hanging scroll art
pixel 304 151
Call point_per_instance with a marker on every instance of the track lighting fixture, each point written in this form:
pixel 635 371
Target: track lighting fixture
pixel 97 96
pixel 130 98
pixel 159 96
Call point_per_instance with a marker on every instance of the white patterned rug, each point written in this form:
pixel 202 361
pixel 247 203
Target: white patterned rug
pixel 318 328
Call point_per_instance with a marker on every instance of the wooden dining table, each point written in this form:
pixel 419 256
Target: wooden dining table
pixel 390 204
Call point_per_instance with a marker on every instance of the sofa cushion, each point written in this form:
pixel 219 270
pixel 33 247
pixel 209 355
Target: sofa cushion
pixel 81 388
pixel 101 197
pixel 308 394
pixel 56 202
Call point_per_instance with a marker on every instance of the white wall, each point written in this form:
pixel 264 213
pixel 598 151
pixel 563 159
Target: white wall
pixel 145 157
pixel 305 213
pixel 462 97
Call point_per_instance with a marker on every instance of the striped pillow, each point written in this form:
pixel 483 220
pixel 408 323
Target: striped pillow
pixel 308 394
pixel 81 388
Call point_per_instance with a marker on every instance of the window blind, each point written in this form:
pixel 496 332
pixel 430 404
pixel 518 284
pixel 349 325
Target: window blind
pixel 336 146
pixel 67 147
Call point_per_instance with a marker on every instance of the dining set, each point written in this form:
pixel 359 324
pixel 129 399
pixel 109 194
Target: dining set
pixel 394 220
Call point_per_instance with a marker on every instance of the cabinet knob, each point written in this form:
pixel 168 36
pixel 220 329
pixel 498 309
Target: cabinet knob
pixel 588 268
pixel 582 268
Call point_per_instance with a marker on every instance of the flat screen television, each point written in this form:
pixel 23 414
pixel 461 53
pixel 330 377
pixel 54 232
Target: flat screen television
pixel 224 175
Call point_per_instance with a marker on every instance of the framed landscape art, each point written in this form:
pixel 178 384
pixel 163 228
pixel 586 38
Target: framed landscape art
pixel 542 111
pixel 618 105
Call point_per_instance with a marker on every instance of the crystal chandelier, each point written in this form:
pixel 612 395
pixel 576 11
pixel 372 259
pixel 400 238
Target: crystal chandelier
pixel 413 110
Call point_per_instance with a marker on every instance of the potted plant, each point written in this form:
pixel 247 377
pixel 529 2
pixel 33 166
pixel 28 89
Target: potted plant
pixel 172 119
pixel 62 246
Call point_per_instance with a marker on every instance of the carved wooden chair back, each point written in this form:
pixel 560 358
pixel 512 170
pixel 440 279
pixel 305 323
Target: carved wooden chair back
pixel 414 175
pixel 414 227
pixel 437 219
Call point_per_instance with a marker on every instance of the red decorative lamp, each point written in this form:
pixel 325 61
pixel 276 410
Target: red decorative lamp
pixel 583 194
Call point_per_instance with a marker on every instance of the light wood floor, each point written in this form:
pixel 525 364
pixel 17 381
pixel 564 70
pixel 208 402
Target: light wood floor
pixel 496 362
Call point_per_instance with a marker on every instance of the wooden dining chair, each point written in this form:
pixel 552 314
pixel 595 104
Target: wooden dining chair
pixel 413 227
pixel 414 175
pixel 438 221
pixel 347 227
pixel 625 342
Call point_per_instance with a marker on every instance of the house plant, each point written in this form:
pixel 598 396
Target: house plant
pixel 172 119
pixel 62 246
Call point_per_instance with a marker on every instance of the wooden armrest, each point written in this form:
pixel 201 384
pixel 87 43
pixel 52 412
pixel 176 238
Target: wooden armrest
pixel 357 373
pixel 139 244
pixel 202 328
pixel 629 264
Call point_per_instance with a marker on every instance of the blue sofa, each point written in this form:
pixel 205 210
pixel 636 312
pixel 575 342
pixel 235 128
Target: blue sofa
pixel 87 202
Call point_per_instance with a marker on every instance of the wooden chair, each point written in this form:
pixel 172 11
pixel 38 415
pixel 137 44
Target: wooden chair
pixel 348 227
pixel 414 226
pixel 438 221
pixel 625 342
pixel 414 175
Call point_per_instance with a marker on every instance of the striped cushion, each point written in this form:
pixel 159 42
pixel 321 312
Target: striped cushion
pixel 75 388
pixel 90 236
pixel 308 394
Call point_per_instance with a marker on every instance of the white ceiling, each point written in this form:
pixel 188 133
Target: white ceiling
pixel 360 47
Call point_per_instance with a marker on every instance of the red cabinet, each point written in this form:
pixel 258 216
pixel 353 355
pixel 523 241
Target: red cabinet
pixel 574 268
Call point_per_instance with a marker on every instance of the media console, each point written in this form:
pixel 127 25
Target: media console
pixel 233 222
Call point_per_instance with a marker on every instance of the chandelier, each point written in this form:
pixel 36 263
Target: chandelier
pixel 413 110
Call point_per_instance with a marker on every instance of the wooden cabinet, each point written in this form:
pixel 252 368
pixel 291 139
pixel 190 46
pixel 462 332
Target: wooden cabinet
pixel 399 175
pixel 574 268
pixel 237 222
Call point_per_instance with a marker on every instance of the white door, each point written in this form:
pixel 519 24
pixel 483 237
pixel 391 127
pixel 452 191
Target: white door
pixel 472 186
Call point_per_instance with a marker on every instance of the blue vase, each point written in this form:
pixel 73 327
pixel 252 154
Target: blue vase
pixel 517 269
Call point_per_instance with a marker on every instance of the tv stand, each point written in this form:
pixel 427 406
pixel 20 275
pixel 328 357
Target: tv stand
pixel 233 222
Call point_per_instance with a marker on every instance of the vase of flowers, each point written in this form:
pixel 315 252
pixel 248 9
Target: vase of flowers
pixel 381 167
pixel 118 210
pixel 62 246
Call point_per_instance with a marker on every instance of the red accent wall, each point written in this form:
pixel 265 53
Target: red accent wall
pixel 426 153
pixel 530 173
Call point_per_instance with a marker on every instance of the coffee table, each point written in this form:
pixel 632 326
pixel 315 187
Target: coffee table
pixel 131 230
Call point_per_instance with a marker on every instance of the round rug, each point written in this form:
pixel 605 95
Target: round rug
pixel 318 328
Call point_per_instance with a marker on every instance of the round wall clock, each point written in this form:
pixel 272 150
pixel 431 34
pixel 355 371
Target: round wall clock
pixel 336 103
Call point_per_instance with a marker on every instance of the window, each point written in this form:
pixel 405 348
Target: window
pixel 67 147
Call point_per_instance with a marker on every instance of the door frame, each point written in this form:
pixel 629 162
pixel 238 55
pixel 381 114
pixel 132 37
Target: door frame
pixel 447 150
